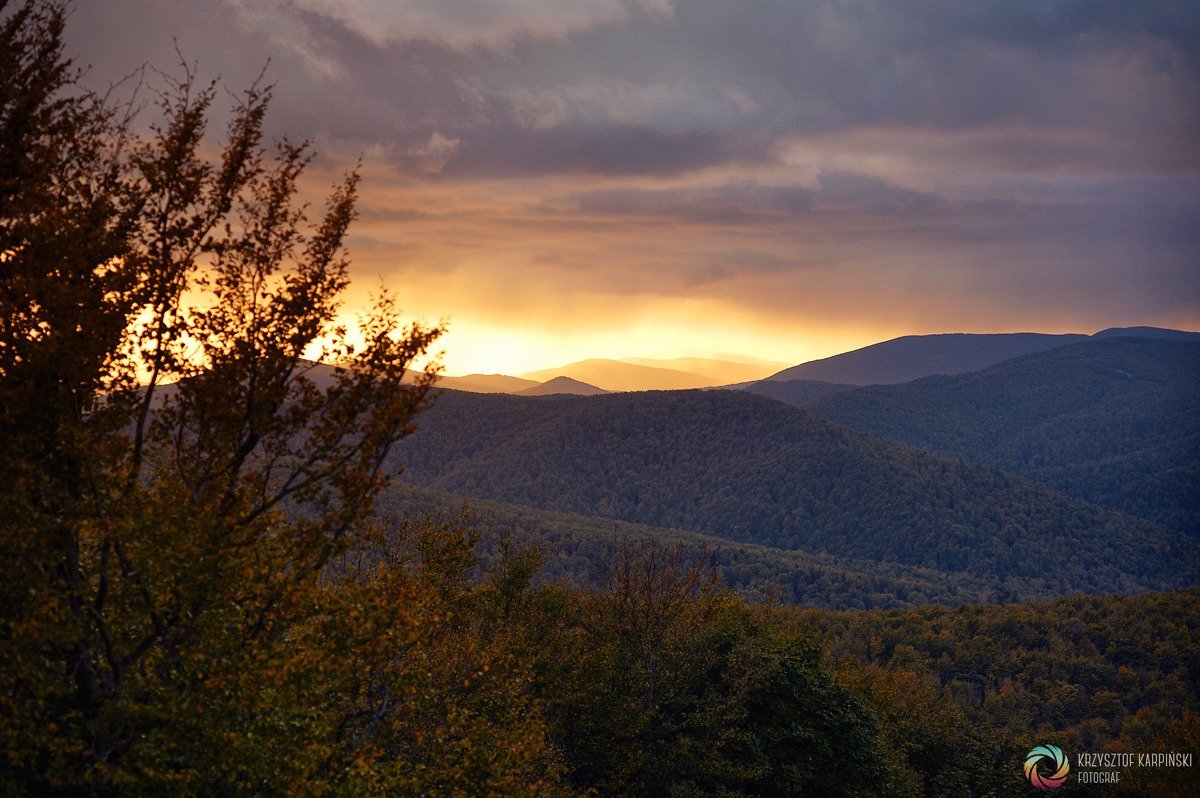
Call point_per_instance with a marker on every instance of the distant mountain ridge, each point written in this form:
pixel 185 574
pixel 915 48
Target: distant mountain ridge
pixel 752 469
pixel 885 363
pixel 911 357
pixel 715 371
pixel 615 375
pixel 1160 333
pixel 1112 419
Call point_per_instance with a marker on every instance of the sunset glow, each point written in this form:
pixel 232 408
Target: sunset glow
pixel 607 179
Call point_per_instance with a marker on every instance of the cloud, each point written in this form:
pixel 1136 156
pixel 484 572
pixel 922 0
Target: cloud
pixel 457 23
pixel 432 156
pixel 624 102
pixel 936 162
pixel 506 151
pixel 838 194
pixel 596 76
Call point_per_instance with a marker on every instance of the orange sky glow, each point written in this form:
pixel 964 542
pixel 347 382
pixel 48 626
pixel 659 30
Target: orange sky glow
pixel 614 178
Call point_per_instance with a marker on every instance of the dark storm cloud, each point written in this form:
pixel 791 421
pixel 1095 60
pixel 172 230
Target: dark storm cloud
pixel 748 202
pixel 737 203
pixel 1063 23
pixel 610 150
pixel 663 92
pixel 1023 156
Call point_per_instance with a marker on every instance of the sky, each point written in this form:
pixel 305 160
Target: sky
pixel 567 179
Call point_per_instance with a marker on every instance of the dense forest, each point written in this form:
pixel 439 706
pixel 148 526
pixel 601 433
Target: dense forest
pixel 1115 673
pixel 575 549
pixel 1092 672
pixel 1038 416
pixel 749 469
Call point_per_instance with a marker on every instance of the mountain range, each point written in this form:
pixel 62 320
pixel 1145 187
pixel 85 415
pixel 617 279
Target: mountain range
pixel 914 356
pixel 889 362
pixel 1113 420
pixel 562 385
pixel 1072 466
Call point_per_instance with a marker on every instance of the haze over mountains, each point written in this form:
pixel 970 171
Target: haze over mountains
pixel 649 374
pixel 888 362
pixel 487 383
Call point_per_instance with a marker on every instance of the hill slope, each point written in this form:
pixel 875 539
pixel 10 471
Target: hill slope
pixel 578 550
pixel 795 392
pixel 751 469
pixel 1112 420
pixel 915 356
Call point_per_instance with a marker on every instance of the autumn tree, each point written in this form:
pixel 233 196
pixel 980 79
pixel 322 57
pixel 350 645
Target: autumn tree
pixel 663 684
pixel 188 437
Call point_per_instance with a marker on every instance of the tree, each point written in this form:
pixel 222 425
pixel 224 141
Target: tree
pixel 178 467
pixel 664 685
pixel 932 748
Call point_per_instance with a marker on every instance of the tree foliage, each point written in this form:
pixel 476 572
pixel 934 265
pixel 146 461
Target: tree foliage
pixel 661 684
pixel 178 473
pixel 1086 673
pixel 577 549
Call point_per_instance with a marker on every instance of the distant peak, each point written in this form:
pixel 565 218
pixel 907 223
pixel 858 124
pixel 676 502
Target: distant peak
pixel 561 385
pixel 1161 333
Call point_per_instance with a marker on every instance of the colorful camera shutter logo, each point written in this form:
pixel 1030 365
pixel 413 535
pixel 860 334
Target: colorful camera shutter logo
pixel 1055 759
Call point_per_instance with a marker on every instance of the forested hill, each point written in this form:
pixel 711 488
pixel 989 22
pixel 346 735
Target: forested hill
pixel 752 469
pixel 1112 420
pixel 579 550
pixel 796 392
